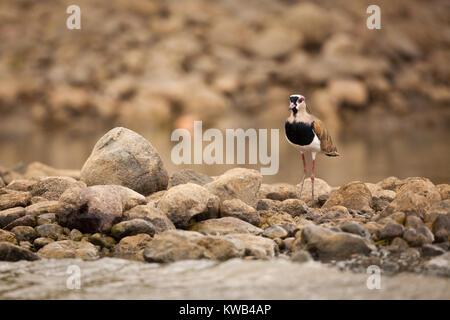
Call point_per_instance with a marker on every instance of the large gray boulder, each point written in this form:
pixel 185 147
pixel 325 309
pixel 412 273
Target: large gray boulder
pixel 125 158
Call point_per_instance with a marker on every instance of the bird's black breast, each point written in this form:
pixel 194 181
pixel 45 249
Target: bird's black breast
pixel 299 132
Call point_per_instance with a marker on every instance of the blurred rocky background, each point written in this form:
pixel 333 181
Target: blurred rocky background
pixel 157 65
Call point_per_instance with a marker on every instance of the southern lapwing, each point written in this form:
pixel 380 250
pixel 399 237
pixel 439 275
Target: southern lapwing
pixel 308 134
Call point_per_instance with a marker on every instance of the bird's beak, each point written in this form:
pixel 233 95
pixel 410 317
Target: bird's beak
pixel 291 106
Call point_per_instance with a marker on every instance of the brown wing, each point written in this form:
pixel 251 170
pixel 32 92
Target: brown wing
pixel 326 143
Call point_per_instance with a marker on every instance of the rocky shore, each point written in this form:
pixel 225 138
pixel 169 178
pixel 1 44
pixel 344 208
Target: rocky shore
pixel 124 204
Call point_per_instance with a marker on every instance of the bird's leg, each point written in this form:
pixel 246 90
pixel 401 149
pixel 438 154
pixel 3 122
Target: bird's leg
pixel 313 154
pixel 304 173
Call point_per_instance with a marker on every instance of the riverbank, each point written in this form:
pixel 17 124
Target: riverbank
pixel 123 204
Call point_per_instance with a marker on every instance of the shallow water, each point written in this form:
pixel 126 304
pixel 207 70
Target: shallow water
pixel 369 156
pixel 111 278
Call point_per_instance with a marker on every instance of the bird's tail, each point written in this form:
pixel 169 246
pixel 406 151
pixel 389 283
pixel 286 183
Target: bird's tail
pixel 332 154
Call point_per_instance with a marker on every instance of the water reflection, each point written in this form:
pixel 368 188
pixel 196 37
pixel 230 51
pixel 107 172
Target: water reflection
pixel 368 157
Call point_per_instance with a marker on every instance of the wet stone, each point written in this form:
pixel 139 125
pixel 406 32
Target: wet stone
pixel 11 252
pixel 24 233
pixel 52 231
pixel 27 220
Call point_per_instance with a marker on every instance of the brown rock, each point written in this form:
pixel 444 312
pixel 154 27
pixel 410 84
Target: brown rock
pixel 390 231
pixel 52 231
pixel 278 191
pixel 270 218
pixel 440 207
pixel 12 199
pixel 389 183
pixel 23 185
pixel 97 208
pixel 75 235
pixel 378 192
pixel 444 190
pixel 238 209
pixel 326 245
pixel 335 213
pixel 225 225
pixel 237 183
pixel 413 222
pixel 188 202
pixel 414 196
pixel 41 242
pixel 69 249
pixel 8 237
pixel 218 248
pixel 9 215
pixel 42 207
pixel 321 188
pixel 11 252
pixel 149 213
pixel 29 221
pixel 354 195
pixel 174 245
pixel 45 218
pixel 293 207
pixel 189 176
pixel 275 231
pixel 132 227
pixel 418 237
pixel 24 233
pixel 255 246
pixel 132 247
pixel 123 157
pixel 355 228
pixel 398 245
pixel 51 188
pixel 101 240
pixel 441 227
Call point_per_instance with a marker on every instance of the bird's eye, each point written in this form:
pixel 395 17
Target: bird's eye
pixel 300 100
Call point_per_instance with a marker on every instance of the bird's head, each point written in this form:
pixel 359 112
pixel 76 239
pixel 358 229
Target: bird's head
pixel 296 101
